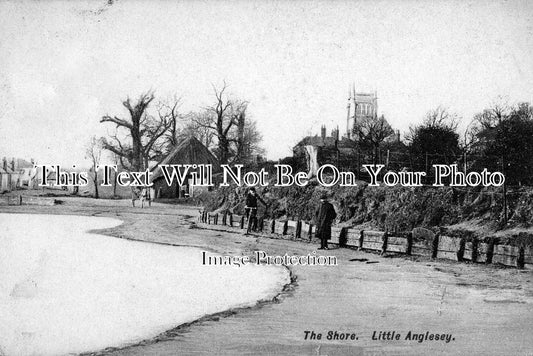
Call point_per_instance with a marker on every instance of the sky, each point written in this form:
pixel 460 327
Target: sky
pixel 63 65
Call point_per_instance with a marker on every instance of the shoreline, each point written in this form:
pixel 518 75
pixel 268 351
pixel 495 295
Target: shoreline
pixel 169 334
pixel 181 328
pixel 270 297
pixel 478 304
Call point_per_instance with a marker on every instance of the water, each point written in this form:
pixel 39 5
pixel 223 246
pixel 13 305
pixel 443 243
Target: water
pixel 63 290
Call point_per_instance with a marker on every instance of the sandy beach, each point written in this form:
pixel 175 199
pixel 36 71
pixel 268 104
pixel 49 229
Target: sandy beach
pixel 452 308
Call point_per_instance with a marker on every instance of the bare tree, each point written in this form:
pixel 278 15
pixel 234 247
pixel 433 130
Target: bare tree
pixel 116 161
pixel 441 117
pixel 223 121
pixel 198 126
pixel 247 141
pixel 169 111
pixel 143 131
pixel 93 151
pixel 222 116
pixel 489 118
pixel 239 116
pixel 371 132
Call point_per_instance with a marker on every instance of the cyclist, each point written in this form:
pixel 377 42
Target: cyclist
pixel 251 208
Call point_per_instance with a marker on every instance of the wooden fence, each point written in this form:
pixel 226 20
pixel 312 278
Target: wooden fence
pixel 419 242
pixel 26 200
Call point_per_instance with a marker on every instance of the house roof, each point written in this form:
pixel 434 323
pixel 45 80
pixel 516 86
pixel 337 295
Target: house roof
pixel 316 141
pixel 189 151
pixel 329 141
pixel 22 163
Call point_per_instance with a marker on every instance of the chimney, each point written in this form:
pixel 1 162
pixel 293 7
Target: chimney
pixel 335 133
pixel 323 132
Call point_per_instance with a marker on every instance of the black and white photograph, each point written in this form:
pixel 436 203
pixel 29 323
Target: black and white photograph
pixel 266 177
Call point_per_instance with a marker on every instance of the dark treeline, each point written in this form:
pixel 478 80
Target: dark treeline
pixel 499 138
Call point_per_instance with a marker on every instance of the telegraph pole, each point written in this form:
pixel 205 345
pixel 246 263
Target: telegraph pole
pixel 504 193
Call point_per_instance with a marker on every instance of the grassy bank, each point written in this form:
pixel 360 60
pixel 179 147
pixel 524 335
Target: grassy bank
pixel 389 208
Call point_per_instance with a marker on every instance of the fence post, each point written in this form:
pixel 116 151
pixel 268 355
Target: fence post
pixel 520 258
pixel 215 219
pixel 20 199
pixel 231 219
pixel 435 246
pixel 409 248
pixel 490 251
pixel 242 222
pixel 298 233
pixel 285 227
pixel 343 237
pixel 310 232
pixel 361 239
pixel 461 250
pixel 261 224
pixel 225 218
pixel 273 226
pixel 474 249
pixel 385 240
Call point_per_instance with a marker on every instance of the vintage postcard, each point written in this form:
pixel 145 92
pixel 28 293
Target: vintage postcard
pixel 266 177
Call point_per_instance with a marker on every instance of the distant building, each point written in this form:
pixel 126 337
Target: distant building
pixel 5 180
pixel 360 106
pixel 318 150
pixel 24 169
pixel 342 151
pixel 189 151
pixel 14 173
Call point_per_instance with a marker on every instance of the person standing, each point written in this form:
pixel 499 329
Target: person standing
pixel 251 209
pixel 325 215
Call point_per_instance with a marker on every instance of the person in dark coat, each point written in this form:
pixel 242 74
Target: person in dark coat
pixel 252 198
pixel 251 209
pixel 325 215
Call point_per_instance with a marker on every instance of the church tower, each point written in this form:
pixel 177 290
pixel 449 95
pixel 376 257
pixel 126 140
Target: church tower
pixel 360 106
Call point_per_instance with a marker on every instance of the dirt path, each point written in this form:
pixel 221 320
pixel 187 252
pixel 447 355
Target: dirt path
pixel 485 310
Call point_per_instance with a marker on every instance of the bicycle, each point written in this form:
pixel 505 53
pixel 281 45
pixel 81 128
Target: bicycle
pixel 251 214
